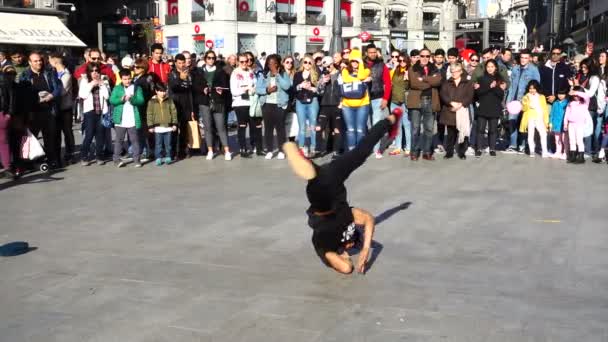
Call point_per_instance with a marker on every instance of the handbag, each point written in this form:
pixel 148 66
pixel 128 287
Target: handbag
pixel 255 109
pixel 107 121
pixel 194 137
pixel 31 148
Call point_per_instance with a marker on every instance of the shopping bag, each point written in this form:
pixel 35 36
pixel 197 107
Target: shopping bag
pixel 588 129
pixel 194 136
pixel 31 148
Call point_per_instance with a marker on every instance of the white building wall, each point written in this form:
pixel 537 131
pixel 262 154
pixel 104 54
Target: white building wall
pixel 222 24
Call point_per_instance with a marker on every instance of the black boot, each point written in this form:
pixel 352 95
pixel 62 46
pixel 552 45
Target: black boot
pixel 580 158
pixel 571 157
pixel 596 159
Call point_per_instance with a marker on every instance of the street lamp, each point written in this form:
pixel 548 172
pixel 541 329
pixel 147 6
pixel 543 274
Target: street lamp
pixel 336 29
pixel 72 6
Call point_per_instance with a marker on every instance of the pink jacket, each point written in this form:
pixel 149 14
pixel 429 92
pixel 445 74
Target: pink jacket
pixel 578 112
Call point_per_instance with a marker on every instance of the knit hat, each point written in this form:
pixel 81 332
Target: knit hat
pixel 355 55
pixel 126 62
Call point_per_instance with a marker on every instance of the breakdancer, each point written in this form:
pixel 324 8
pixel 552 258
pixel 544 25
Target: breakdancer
pixel 332 219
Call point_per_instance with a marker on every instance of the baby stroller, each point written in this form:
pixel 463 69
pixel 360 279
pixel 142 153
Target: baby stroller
pixel 32 156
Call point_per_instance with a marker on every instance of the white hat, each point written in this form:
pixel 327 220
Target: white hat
pixel 126 62
pixel 327 61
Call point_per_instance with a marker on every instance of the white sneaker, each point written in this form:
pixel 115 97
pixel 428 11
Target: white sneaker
pixel 602 154
pixel 210 155
pixel 269 156
pixel 378 155
pixel 486 150
pixel 532 155
pixel 228 156
pixel 546 155
pixel 281 156
pixel 470 151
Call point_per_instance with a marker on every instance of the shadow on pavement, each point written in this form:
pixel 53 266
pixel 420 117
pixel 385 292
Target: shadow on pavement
pixel 34 177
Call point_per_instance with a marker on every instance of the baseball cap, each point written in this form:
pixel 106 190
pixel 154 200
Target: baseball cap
pixel 127 62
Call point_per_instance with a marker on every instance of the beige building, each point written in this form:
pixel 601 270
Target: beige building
pixel 258 25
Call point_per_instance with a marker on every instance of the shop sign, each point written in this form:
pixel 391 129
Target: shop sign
pixel 431 35
pixel 471 25
pixel 399 34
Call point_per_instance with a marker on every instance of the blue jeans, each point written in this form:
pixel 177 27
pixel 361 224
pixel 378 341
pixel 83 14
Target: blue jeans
pixel 92 129
pixel 514 121
pixel 406 126
pixel 355 120
pixel 422 140
pixel 161 139
pixel 473 138
pixel 377 115
pixel 307 111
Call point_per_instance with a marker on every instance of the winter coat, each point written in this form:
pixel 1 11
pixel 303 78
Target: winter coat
pixel 450 92
pixel 577 112
pixel 239 81
pixel 161 113
pixel 490 99
pixel 529 111
pixel 116 100
pixel 85 92
pixel 199 83
pixel 331 94
pixel 180 91
pixel 399 88
pixel 55 86
pixel 552 79
pixel 432 81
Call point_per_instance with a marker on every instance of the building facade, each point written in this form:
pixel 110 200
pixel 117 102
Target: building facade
pixel 585 20
pixel 229 26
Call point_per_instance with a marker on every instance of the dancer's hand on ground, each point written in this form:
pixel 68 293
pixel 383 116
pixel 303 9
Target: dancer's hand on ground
pixel 362 262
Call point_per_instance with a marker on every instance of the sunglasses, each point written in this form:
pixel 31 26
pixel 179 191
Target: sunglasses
pixel 138 67
pixel 249 59
pixel 425 56
pixel 402 61
pixel 95 70
pixel 307 62
pixel 474 60
pixel 210 58
pixel 242 62
pixel 288 62
pixel 395 56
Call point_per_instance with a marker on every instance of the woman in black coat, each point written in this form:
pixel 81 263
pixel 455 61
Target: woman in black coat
pixel 490 92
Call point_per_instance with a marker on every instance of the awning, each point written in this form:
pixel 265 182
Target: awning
pixel 30 29
pixel 432 45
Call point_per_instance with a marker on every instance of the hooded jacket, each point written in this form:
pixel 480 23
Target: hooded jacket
pixel 361 75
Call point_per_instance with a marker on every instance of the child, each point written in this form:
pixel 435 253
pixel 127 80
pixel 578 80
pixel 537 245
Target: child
pixel 536 117
pixel 556 123
pixel 577 114
pixel 162 120
pixel 126 99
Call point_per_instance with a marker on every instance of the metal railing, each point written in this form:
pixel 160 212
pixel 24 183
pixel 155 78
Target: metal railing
pixel 315 19
pixel 198 16
pixel 251 16
pixel 171 19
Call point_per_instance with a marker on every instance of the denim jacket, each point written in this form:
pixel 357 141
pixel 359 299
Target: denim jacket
pixel 520 80
pixel 283 82
pixel 55 86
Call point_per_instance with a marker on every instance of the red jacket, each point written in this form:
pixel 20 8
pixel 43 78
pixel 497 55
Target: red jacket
pixel 105 70
pixel 162 70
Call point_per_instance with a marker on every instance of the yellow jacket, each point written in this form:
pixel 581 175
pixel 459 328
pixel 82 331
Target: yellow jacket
pixel 530 112
pixel 362 74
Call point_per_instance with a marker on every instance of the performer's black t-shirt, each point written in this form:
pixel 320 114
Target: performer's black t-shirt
pixel 331 231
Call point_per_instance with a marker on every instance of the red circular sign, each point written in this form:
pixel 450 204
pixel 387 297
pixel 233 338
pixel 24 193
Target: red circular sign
pixel 209 43
pixel 197 28
pixel 244 6
pixel 365 36
pixel 316 31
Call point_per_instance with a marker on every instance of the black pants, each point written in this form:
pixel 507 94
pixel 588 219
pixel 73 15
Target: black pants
pixel 46 123
pixel 337 171
pixel 331 124
pixel 450 142
pixel 93 129
pixel 492 131
pixel 255 128
pixel 64 126
pixel 274 119
pixel 179 139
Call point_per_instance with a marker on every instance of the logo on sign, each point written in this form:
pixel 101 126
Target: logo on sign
pixel 431 35
pixel 399 34
pixel 197 28
pixel 209 43
pixel 365 36
pixel 316 31
pixel 244 6
pixel 172 7
pixel 469 26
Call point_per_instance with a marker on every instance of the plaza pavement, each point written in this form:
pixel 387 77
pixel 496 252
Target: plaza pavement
pixel 505 249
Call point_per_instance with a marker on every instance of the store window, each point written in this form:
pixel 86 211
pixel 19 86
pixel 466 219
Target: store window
pixel 430 21
pixel 246 42
pixel 18 3
pixel 283 46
